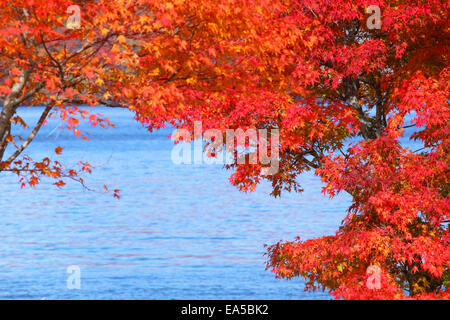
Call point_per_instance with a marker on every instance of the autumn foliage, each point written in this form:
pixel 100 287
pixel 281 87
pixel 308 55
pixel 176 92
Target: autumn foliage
pixel 344 96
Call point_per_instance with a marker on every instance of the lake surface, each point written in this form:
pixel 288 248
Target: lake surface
pixel 178 231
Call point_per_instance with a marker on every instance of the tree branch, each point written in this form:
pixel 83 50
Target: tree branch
pixel 31 136
pixel 30 94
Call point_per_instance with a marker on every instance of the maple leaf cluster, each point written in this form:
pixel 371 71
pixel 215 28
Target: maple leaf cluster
pixel 343 96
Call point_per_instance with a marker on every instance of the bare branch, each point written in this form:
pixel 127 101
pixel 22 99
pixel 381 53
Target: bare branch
pixel 31 136
pixel 29 94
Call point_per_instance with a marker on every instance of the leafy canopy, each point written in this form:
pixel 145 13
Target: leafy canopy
pixel 342 95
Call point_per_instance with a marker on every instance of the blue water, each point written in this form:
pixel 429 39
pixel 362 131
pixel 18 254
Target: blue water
pixel 178 231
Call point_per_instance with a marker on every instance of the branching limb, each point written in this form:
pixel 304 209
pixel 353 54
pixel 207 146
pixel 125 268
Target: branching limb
pixel 31 136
